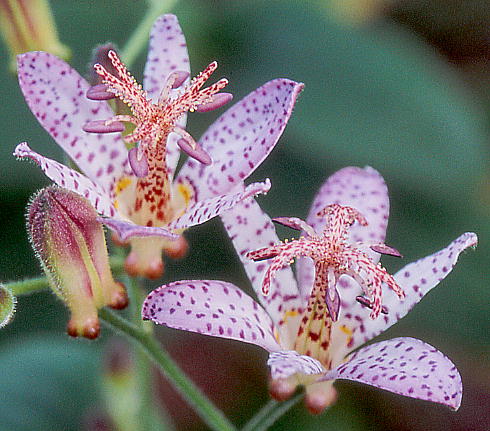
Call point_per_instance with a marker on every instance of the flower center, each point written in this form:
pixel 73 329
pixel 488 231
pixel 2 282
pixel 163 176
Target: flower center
pixel 333 257
pixel 153 124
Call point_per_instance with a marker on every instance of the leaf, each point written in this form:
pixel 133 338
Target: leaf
pixel 46 383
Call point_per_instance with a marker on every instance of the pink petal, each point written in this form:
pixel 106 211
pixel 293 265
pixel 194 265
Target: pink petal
pixel 363 189
pixel 126 230
pixel 205 210
pixel 70 179
pixel 405 366
pixel 249 229
pixel 167 53
pixel 416 279
pixel 289 362
pixel 213 308
pixel 56 95
pixel 243 137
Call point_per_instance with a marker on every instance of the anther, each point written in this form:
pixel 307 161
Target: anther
pixel 103 126
pixel 99 92
pixel 138 163
pixel 217 101
pixel 195 151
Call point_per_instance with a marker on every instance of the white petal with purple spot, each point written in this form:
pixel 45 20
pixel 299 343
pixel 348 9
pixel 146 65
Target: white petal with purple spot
pixel 405 366
pixel 205 210
pixel 167 53
pixel 243 137
pixel 213 308
pixel 249 229
pixel 55 94
pixel 70 179
pixel 416 279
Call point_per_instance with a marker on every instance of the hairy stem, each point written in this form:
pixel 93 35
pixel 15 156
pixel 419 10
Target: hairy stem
pixel 37 284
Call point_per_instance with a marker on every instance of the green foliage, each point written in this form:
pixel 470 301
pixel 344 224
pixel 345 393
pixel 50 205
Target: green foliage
pixel 48 383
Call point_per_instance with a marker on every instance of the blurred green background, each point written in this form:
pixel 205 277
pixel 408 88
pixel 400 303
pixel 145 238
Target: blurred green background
pixel 402 86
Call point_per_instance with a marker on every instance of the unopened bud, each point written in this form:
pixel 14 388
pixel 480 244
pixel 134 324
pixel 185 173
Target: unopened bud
pixel 70 243
pixel 7 305
pixel 319 396
pixel 281 389
pixel 28 25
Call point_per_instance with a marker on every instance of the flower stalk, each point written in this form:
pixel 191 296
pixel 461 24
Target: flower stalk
pixel 212 416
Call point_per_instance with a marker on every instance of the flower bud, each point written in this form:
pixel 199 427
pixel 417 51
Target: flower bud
pixel 7 306
pixel 28 25
pixel 70 243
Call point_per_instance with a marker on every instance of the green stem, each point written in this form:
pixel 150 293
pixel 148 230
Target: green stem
pixel 26 287
pixel 213 417
pixel 139 38
pixel 270 413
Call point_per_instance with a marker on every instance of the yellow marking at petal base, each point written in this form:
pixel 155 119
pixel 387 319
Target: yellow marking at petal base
pixel 122 184
pixel 276 335
pixel 116 204
pixel 289 313
pixel 347 331
pixel 186 192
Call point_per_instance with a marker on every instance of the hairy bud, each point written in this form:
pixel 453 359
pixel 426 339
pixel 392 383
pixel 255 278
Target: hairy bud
pixel 70 243
pixel 7 306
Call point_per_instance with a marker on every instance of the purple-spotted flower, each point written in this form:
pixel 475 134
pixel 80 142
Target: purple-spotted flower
pixel 134 203
pixel 322 350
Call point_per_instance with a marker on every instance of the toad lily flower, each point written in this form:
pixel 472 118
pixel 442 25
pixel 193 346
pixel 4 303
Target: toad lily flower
pixel 307 347
pixel 141 198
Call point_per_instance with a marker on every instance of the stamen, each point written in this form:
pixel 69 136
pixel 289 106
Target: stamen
pixel 385 249
pixel 180 77
pixel 99 92
pixel 295 223
pixel 217 101
pixel 196 152
pixel 333 256
pixel 138 163
pixel 367 303
pixel 103 126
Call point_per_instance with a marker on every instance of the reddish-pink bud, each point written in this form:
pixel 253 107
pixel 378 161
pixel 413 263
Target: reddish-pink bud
pixel 70 244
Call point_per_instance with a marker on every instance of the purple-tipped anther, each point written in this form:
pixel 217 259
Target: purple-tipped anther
pixel 364 301
pixel 295 223
pixel 179 77
pixel 101 126
pixel 196 152
pixel 218 100
pixel 386 249
pixel 332 299
pixel 99 92
pixel 139 166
